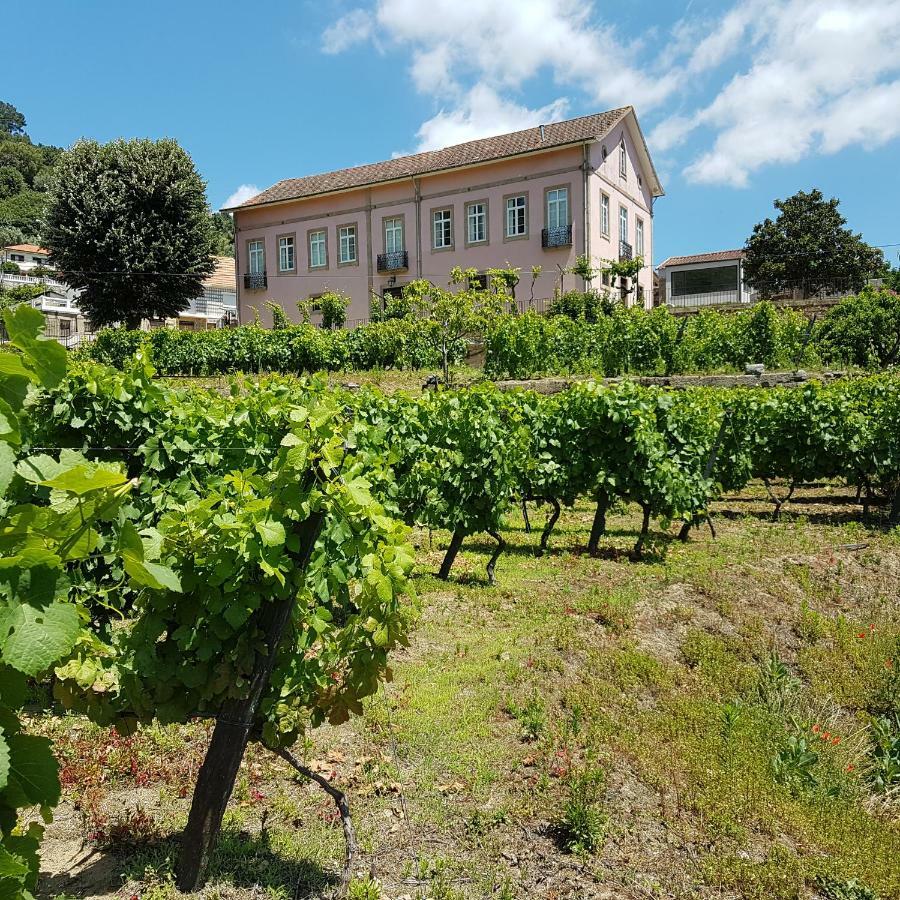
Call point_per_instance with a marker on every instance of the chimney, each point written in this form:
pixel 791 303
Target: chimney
pixel 542 134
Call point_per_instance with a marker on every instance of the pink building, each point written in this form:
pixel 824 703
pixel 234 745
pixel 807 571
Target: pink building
pixel 538 197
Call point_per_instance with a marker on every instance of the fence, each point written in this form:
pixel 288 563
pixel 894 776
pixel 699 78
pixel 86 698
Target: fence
pixel 820 289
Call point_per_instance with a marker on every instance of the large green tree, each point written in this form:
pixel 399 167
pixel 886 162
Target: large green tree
pixel 808 248
pixel 127 223
pixel 223 230
pixel 11 120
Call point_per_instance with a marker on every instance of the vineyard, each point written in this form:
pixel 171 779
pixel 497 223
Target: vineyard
pixel 243 568
pixel 862 331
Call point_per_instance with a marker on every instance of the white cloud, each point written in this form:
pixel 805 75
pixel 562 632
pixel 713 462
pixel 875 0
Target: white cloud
pixel 482 112
pixel 816 84
pixel 352 28
pixel 796 77
pixel 243 193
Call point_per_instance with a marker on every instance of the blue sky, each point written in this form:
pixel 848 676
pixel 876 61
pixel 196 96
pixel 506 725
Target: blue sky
pixel 741 101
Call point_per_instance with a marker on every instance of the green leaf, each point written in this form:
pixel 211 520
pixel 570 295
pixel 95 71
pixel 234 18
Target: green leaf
pixel 152 575
pixel 13 687
pixel 4 763
pixel 12 867
pixel 46 357
pixel 23 324
pixel 33 772
pixel 83 479
pixel 271 533
pixel 7 466
pixel 33 638
pixel 358 489
pixel 130 543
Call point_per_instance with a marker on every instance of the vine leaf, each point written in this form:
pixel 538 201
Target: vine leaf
pixel 4 760
pixel 271 533
pixel 32 638
pixel 47 358
pixel 33 772
pixel 7 466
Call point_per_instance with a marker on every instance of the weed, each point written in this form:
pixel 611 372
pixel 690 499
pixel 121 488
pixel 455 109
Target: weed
pixel 718 663
pixel 483 821
pixel 793 764
pixel 884 773
pixel 582 825
pixel 832 889
pixel 133 828
pixel 780 876
pixel 776 683
pixel 364 889
pixel 532 717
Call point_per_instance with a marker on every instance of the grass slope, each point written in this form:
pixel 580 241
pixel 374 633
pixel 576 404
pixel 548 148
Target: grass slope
pixel 696 725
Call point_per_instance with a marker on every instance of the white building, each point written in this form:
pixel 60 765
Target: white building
pixel 25 256
pixel 705 279
pixel 217 305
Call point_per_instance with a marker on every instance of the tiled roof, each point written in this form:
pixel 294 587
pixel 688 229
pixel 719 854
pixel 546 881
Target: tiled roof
pixel 717 256
pixel 28 248
pixel 554 134
pixel 223 277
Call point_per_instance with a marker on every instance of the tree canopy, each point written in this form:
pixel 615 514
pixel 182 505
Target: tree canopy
pixel 11 120
pixel 808 248
pixel 223 233
pixel 25 170
pixel 127 223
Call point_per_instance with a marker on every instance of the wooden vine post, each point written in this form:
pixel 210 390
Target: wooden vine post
pixel 234 725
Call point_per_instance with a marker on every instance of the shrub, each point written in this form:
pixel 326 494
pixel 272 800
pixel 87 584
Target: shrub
pixel 863 330
pixel 334 309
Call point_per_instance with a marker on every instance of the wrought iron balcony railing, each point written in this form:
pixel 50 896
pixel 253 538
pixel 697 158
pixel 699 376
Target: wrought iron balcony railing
pixel 557 237
pixel 625 250
pixel 392 261
pixel 255 282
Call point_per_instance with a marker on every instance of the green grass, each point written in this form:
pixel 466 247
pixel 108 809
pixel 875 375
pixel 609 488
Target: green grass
pixel 589 725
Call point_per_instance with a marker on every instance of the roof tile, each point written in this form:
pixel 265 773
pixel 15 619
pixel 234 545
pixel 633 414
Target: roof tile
pixel 716 256
pixel 554 134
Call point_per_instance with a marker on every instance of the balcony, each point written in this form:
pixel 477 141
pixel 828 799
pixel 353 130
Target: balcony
pixel 556 237
pixel 625 251
pixel 255 282
pixel 393 261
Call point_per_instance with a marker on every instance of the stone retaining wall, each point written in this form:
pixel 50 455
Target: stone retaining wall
pixel 677 382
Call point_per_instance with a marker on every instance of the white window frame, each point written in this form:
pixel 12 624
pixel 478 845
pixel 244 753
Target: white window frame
pixel 318 244
pixel 638 236
pixel 476 217
pixel 256 257
pixel 393 235
pixel 442 229
pixel 604 214
pixel 347 241
pixel 623 224
pixel 623 160
pixel 517 216
pixel 557 202
pixel 287 245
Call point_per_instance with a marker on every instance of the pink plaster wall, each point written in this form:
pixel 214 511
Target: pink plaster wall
pixel 368 207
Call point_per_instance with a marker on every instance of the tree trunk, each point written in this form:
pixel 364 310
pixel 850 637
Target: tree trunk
pixel 450 555
pixel 598 529
pixel 525 516
pixel 638 550
pixel 895 506
pixel 233 726
pixel 492 562
pixel 548 528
